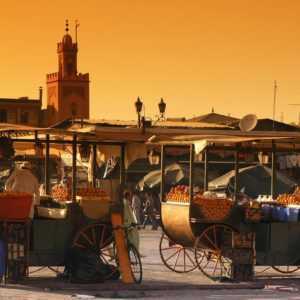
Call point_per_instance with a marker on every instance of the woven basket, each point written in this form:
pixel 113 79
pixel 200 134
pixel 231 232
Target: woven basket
pixel 214 209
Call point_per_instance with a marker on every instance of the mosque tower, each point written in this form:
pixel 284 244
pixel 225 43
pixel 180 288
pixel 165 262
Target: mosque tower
pixel 68 90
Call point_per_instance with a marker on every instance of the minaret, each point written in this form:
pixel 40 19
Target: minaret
pixel 68 91
pixel 67 56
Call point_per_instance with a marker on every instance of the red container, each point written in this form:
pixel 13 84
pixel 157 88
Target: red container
pixel 14 206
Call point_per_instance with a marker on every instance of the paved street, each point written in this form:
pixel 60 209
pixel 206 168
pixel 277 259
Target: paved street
pixel 159 282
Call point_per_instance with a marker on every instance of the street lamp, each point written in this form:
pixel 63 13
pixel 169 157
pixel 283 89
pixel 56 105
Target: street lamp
pixel 162 108
pixel 138 106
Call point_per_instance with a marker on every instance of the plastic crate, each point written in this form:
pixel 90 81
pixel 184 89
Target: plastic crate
pixel 15 206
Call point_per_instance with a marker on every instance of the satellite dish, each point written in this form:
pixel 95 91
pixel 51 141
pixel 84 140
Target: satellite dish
pixel 248 122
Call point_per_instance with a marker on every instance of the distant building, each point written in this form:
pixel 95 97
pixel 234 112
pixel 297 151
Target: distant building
pixel 67 93
pixel 21 110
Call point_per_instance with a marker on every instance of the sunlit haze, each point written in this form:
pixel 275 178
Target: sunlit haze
pixel 195 54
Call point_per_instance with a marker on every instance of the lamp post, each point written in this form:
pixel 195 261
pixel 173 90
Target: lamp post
pixel 138 106
pixel 162 108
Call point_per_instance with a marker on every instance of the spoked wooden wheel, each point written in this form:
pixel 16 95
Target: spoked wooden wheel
pixel 93 237
pixel 208 251
pixel 286 269
pixel 98 239
pixel 108 254
pixel 176 257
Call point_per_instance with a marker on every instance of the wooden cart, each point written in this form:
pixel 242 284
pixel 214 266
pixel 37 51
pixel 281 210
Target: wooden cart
pixel 49 240
pixel 232 245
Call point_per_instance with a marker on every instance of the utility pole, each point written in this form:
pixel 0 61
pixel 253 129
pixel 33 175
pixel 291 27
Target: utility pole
pixel 274 103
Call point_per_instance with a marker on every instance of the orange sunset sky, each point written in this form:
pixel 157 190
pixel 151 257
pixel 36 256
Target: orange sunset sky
pixel 195 54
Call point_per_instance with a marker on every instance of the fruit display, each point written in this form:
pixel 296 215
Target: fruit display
pixel 179 193
pixel 213 208
pixel 288 199
pixel 61 193
pixel 90 192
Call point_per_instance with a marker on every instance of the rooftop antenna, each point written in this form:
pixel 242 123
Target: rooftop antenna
pixel 76 29
pixel 274 102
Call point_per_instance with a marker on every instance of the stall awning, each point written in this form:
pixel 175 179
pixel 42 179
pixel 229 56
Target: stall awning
pixel 284 140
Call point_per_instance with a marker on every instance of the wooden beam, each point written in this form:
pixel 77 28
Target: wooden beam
pixel 47 155
pixel 74 167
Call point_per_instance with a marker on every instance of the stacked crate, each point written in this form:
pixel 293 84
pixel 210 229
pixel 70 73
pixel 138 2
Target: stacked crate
pixel 17 251
pixel 243 256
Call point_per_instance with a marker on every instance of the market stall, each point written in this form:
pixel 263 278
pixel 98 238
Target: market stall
pixel 227 234
pixel 84 218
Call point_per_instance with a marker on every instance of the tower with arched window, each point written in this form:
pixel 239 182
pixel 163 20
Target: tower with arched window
pixel 68 90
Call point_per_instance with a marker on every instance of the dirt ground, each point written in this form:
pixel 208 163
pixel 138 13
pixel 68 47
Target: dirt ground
pixel 158 282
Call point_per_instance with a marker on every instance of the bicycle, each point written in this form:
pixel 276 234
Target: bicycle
pixel 109 254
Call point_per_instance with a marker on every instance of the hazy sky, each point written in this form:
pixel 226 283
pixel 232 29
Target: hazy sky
pixel 195 54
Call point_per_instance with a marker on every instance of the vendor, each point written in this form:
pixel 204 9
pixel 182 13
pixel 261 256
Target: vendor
pixel 23 180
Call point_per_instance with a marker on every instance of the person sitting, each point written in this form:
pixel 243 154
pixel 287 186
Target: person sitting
pixel 22 180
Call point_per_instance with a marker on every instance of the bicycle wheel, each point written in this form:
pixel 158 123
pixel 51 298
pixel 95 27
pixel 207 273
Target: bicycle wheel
pixel 136 264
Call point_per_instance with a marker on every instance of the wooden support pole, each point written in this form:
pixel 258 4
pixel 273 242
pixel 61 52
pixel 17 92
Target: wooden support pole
pixel 47 159
pixel 121 246
pixel 162 165
pixel 117 219
pixel 236 174
pixel 191 172
pixel 273 176
pixel 74 167
pixel 205 180
pixel 94 158
pixel 122 173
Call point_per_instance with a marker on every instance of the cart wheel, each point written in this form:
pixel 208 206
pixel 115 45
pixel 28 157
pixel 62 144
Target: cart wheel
pixel 108 254
pixel 136 264
pixel 93 237
pixel 286 269
pixel 97 238
pixel 208 251
pixel 176 257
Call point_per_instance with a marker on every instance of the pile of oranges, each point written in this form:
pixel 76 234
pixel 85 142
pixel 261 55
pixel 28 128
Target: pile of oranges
pixel 287 199
pixel 61 193
pixel 213 208
pixel 179 193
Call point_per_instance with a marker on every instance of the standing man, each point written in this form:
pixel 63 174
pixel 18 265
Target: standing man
pixel 22 180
